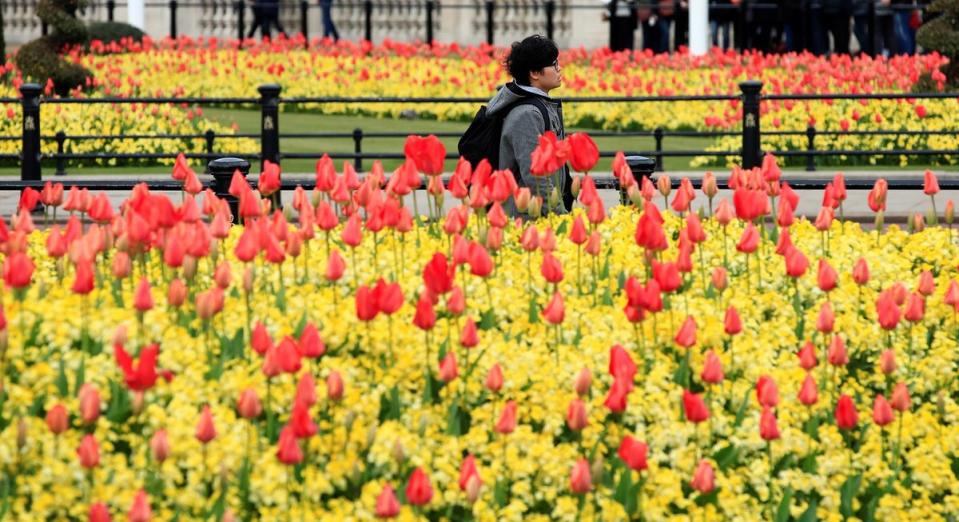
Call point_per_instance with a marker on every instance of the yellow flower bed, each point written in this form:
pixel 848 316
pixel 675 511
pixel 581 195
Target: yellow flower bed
pixel 387 424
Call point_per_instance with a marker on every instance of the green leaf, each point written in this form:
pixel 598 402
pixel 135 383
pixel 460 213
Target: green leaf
pixel 390 407
pixel 120 407
pixel 533 312
pixel 561 229
pixel 788 461
pixel 63 387
pixel 709 498
pixel 727 457
pixel 810 514
pixel 782 513
pixel 621 280
pixel 80 377
pixel 607 298
pixel 458 421
pixel 848 493
pixel 604 270
pixel 624 491
pixel 741 414
pixel 300 325
pixel 501 492
pixel 487 320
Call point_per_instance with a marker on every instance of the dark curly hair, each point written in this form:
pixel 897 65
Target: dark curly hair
pixel 534 53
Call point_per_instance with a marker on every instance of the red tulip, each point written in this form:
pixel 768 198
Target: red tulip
pixel 352 234
pixel 428 154
pixel 578 234
pixel 827 318
pixel 89 403
pixel 438 275
pixel 448 370
pixel 366 304
pixel 809 393
pixel 749 240
pixel 419 491
pixel 580 481
pixel 767 425
pixel 469 337
pixel 140 510
pixel 456 302
pixel 860 272
pixel 694 407
pixel 142 376
pixel 900 398
pixel 704 478
pixel 205 431
pixel 334 386
pixel 583 153
pixel 468 471
pixel 58 420
pixel 846 415
pixel 387 505
pixel 425 316
pixel 335 266
pixel 887 311
pixel 827 276
pixel 481 264
pixel 732 325
pixel 712 369
pixel 548 156
pixel 555 311
pixel 494 379
pixel 877 196
pixel 288 448
pixel 796 263
pixel 621 365
pixel 310 345
pixel 633 453
pixel 99 512
pixel 881 411
pixel 576 417
pixel 766 392
pixel 930 185
pixel 616 399
pixel 288 355
pixel 89 452
pixel 248 405
pixel 260 339
pixel 582 382
pixel 686 336
pixel 551 269
pixel 18 270
pixel 301 422
pixel 719 280
pixel 807 356
pixel 507 419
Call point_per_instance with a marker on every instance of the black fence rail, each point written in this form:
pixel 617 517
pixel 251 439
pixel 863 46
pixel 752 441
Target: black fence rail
pixel 746 16
pixel 749 154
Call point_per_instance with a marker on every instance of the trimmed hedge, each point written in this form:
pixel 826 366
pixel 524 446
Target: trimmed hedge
pixel 942 34
pixel 108 32
pixel 40 59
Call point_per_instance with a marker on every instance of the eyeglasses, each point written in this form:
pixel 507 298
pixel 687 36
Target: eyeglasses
pixel 556 64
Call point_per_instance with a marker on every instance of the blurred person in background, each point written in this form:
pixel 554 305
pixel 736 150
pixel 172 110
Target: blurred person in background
pixel 623 19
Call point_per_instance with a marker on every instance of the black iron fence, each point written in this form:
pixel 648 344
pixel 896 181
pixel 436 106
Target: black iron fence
pixel 746 17
pixel 749 154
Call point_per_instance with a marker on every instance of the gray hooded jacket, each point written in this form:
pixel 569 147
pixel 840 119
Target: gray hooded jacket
pixel 521 130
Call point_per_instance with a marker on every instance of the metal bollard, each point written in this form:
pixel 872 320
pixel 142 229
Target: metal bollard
pixel 209 136
pixel 368 20
pixel 658 136
pixel 222 170
pixel 173 28
pixel 269 122
pixel 642 167
pixel 811 147
pixel 30 164
pixel 358 148
pixel 490 8
pixel 752 155
pixel 61 162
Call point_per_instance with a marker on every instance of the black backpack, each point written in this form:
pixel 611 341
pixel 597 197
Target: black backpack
pixel 482 137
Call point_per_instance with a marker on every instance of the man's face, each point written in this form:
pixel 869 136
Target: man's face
pixel 549 78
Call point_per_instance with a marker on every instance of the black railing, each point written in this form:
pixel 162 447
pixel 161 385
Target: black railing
pixel 749 153
pixel 745 16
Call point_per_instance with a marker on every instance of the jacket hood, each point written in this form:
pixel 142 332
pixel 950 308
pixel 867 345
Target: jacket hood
pixel 506 96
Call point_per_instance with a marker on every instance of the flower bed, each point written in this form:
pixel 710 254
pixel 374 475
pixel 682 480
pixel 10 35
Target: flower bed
pixel 743 364
pixel 211 68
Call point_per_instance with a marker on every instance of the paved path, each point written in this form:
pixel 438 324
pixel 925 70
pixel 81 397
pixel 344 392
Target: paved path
pixel 900 203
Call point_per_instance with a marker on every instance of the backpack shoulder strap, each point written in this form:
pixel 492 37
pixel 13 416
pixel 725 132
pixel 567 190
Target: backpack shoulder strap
pixel 538 103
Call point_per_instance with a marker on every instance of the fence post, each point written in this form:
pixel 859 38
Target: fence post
pixel 269 122
pixel 658 136
pixel 209 136
pixel 30 164
pixel 429 21
pixel 874 37
pixel 111 6
pixel 61 163
pixel 751 138
pixel 358 149
pixel 173 6
pixel 240 15
pixel 811 147
pixel 368 19
pixel 550 14
pixel 490 7
pixel 222 170
pixel 304 25
pixel 740 28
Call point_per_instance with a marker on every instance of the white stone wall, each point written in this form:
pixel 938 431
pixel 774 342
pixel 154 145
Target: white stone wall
pixel 462 21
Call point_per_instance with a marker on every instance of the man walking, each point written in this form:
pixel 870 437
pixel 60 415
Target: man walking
pixel 623 20
pixel 329 30
pixel 534 65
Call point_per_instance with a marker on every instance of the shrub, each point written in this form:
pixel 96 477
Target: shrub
pixel 40 59
pixel 108 32
pixel 942 34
